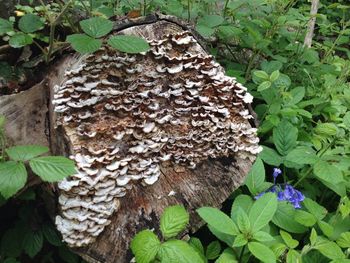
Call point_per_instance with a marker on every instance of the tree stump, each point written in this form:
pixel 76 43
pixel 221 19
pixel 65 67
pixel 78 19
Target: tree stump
pixel 180 174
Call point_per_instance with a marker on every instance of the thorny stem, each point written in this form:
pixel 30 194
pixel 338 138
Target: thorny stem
pixel 241 255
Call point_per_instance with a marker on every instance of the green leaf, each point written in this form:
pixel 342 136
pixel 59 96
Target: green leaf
pixel 326 228
pixel 30 23
pixel 33 242
pixel 196 244
pixel 228 32
pixel 52 168
pixel 242 201
pixel 256 177
pixel 211 20
pixel 5 26
pixel 274 75
pixel 302 155
pixel 51 235
pixel 279 249
pixel 25 152
pixel 213 250
pixel 228 239
pixel 288 239
pixel 173 220
pixel 270 156
pixel 314 208
pixel 83 43
pixel 145 246
pixel 262 236
pixel 313 237
pixel 174 251
pixel 264 85
pixel 10 245
pixel 284 218
pixel 261 74
pixel 305 218
pixel 20 39
pixel 96 27
pixel 326 129
pixel 243 221
pixel 346 118
pixel 297 95
pixel 329 249
pixel 328 173
pixel 262 252
pixel 344 240
pixel 13 176
pixel 283 81
pixel 218 220
pixel 240 241
pixel 67 255
pixel 11 260
pixel 205 31
pixel 228 256
pixel 262 211
pixel 285 137
pixel 293 256
pixel 129 44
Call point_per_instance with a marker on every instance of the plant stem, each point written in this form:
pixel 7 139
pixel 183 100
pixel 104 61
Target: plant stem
pixel 250 64
pixel 188 10
pixel 241 254
pixel 144 7
pixel 225 8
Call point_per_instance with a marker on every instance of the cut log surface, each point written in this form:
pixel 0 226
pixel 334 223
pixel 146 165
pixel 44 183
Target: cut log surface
pixel 113 136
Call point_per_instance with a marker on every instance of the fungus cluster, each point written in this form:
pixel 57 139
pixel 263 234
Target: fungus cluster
pixel 126 114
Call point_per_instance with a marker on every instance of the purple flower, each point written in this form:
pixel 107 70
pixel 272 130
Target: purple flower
pixel 276 173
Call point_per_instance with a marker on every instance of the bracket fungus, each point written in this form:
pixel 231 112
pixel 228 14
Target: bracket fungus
pixel 127 114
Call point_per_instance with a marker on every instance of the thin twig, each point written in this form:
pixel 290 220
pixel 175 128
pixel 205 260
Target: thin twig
pixel 311 25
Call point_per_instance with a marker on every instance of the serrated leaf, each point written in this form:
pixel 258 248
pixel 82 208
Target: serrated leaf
pixel 328 173
pixel 329 249
pixel 13 176
pixel 218 220
pixel 211 20
pixel 240 241
pixel 173 220
pixel 30 23
pixel 174 251
pixel 293 256
pixel 52 168
pixel 145 246
pixel 264 85
pixel 25 152
pixel 243 221
pixel 262 211
pixel 20 39
pixel 228 256
pixel 5 26
pixel 204 30
pixel 326 129
pixel 129 44
pixel 96 27
pixel 228 32
pixel 51 235
pixel 261 74
pixel 242 201
pixel 213 250
pixel 344 240
pixel 256 177
pixel 83 43
pixel 262 236
pixel 305 218
pixel 285 137
pixel 196 244
pixel 288 239
pixel 284 218
pixel 33 242
pixel 302 155
pixel 262 252
pixel 270 156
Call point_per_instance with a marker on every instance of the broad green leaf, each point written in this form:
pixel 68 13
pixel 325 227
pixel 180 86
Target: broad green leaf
pixel 288 239
pixel 262 252
pixel 83 43
pixel 293 256
pixel 346 118
pixel 328 173
pixel 284 218
pixel 174 251
pixel 30 23
pixel 329 249
pixel 25 152
pixel 256 177
pixel 219 220
pixel 283 81
pixel 314 208
pixel 305 218
pixel 129 44
pixel 261 74
pixel 243 221
pixel 302 155
pixel 52 168
pixel 285 137
pixel 270 156
pixel 262 236
pixel 279 249
pixel 213 250
pixel 344 240
pixel 173 220
pixel 20 39
pixel 205 31
pixel 313 237
pixel 326 129
pixel 13 176
pixel 96 27
pixel 240 241
pixel 228 239
pixel 51 235
pixel 264 85
pixel 211 20
pixel 274 75
pixel 326 228
pixel 297 94
pixel 228 256
pixel 10 246
pixel 145 246
pixel 262 211
pixel 33 242
pixel 196 244
pixel 5 26
pixel 228 32
pixel 242 201
pixel 339 188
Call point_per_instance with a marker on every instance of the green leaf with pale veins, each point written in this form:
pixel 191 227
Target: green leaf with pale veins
pixel 5 26
pixel 129 44
pixel 285 137
pixel 30 23
pixel 13 176
pixel 83 43
pixel 256 177
pixel 145 246
pixel 173 220
pixel 96 27
pixel 33 242
pixel 175 251
pixel 262 252
pixel 25 152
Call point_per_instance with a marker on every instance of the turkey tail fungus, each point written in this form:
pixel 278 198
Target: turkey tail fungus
pixel 146 131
